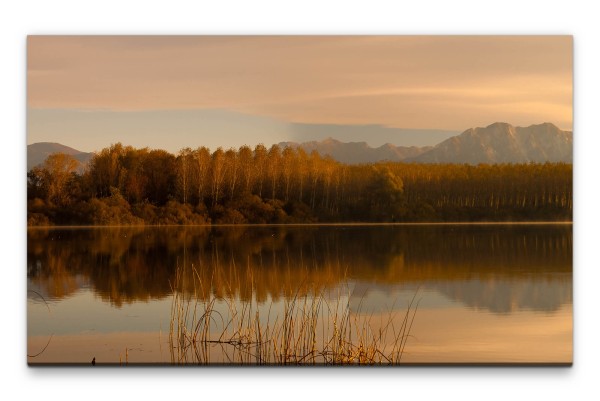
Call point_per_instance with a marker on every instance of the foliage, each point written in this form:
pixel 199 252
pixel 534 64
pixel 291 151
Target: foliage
pixel 124 185
pixel 111 211
pixel 175 213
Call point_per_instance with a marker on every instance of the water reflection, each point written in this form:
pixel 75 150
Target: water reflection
pixel 498 268
pixel 501 295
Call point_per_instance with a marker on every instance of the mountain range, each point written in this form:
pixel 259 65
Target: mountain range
pixel 496 143
pixel 503 143
pixel 358 152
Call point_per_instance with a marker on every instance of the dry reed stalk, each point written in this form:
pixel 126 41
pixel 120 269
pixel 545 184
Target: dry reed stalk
pixel 198 330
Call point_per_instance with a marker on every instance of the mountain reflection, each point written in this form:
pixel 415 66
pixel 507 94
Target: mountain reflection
pixel 499 295
pixel 500 268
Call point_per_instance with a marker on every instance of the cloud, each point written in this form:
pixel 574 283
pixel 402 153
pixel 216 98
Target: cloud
pixel 310 79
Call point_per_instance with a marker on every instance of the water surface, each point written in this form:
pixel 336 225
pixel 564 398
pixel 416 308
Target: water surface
pixel 485 293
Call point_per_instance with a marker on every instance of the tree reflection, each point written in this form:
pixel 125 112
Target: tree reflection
pixel 125 265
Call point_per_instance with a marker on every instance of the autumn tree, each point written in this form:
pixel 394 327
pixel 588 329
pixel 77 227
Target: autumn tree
pixel 301 171
pixel 246 168
pixel 232 168
pixel 184 173
pixel 217 174
pixel 202 160
pixel 160 168
pixel 274 168
pixel 260 160
pixel 105 168
pixel 288 160
pixel 386 195
pixel 58 170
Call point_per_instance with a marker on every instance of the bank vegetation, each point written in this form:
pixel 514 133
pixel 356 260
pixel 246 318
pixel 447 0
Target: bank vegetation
pixel 123 185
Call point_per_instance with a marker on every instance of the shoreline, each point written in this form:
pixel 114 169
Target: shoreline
pixel 355 224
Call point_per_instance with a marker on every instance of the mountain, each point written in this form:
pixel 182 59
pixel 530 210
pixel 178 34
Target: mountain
pixel 496 143
pixel 358 152
pixel 38 152
pixel 503 143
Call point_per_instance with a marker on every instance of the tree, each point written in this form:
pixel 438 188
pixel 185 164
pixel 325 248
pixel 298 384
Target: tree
pixel 260 158
pixel 288 160
pixel 160 167
pixel 273 168
pixel 59 169
pixel 246 168
pixel 184 167
pixel 315 172
pixel 36 183
pixel 385 195
pixel 135 178
pixel 105 167
pixel 217 174
pixel 202 161
pixel 232 164
pixel 302 162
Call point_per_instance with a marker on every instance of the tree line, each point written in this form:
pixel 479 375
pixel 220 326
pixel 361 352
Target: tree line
pixel 123 185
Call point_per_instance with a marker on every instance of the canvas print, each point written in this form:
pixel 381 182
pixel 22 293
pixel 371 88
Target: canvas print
pixel 299 200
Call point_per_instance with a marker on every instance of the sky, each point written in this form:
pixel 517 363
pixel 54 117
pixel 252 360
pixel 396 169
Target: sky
pixel 171 92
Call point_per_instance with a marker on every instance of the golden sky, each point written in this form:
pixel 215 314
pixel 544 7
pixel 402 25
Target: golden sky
pixel 426 82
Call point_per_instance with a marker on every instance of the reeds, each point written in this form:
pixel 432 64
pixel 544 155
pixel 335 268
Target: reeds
pixel 315 328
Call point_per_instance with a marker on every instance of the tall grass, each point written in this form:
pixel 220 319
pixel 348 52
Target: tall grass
pixel 314 328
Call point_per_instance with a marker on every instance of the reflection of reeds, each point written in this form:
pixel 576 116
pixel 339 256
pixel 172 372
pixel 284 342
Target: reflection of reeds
pixel 312 329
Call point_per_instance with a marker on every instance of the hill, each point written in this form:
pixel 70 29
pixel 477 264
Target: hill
pixel 38 152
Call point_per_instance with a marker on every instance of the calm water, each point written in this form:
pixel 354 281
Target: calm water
pixel 486 293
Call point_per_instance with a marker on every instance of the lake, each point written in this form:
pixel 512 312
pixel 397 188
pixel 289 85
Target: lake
pixel 497 293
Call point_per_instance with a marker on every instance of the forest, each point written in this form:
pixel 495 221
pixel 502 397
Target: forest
pixel 123 185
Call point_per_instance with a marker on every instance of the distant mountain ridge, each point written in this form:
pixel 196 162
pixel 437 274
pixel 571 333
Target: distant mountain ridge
pixel 358 152
pixel 38 152
pixel 503 143
pixel 496 143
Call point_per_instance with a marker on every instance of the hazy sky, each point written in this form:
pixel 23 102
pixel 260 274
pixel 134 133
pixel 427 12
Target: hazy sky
pixel 175 91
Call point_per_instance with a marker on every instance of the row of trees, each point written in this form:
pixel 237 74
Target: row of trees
pixel 124 185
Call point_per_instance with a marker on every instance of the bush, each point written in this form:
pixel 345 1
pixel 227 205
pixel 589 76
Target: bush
pixel 39 213
pixel 114 210
pixel 257 211
pixel 223 215
pixel 299 212
pixel 37 219
pixel 174 213
pixel 145 211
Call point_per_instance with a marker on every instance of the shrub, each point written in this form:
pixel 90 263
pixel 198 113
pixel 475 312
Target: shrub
pixel 299 212
pixel 179 213
pixel 224 215
pixel 114 210
pixel 255 210
pixel 145 211
pixel 39 213
pixel 37 219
